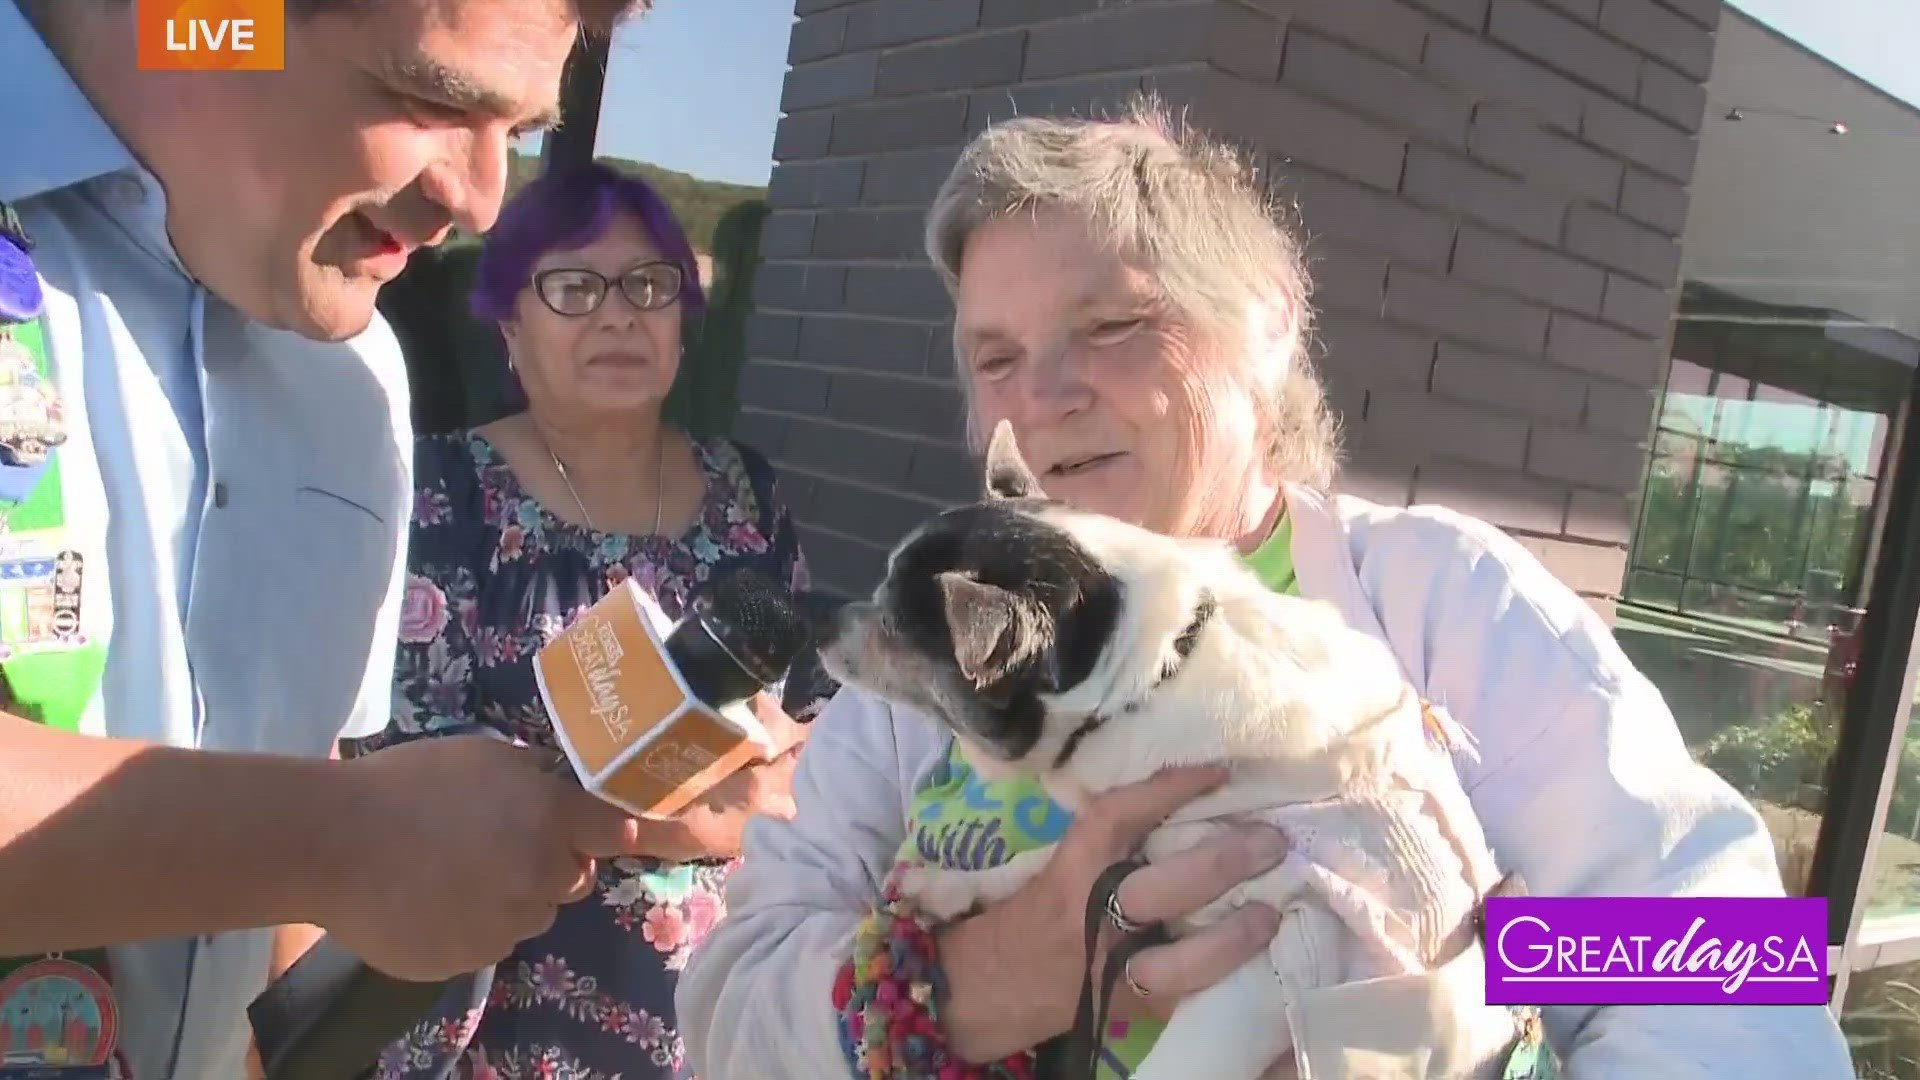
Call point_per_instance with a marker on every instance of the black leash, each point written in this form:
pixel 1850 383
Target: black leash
pixel 1076 1055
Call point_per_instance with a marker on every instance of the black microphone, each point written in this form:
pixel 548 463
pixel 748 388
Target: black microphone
pixel 330 1015
pixel 737 638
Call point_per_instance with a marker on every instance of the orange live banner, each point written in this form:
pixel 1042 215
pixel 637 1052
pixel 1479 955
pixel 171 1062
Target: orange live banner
pixel 212 35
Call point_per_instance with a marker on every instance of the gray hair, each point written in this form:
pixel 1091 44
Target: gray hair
pixel 1193 207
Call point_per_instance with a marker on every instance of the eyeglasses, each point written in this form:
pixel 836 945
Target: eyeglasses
pixel 573 291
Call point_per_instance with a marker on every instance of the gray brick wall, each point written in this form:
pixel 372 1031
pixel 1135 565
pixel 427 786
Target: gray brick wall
pixel 1493 192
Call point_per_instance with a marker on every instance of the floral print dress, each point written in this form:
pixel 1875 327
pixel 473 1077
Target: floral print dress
pixel 493 576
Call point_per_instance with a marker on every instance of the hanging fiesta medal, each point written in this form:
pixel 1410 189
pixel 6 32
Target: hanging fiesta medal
pixel 51 666
pixel 31 420
pixel 21 300
pixel 58 1020
pixel 58 1016
pixel 64 617
pixel 1531 1058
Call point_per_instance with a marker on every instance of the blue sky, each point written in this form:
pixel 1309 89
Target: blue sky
pixel 1876 40
pixel 695 86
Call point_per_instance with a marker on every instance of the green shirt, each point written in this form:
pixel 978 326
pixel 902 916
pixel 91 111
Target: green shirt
pixel 960 821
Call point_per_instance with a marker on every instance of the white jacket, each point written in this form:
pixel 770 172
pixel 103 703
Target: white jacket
pixel 1581 780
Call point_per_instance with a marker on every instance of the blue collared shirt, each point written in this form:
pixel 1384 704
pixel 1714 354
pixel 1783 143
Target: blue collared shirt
pixel 246 489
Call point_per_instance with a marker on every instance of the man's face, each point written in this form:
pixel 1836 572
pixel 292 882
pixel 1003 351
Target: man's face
pixel 294 195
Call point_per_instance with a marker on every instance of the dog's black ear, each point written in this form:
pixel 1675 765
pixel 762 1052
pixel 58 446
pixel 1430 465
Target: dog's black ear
pixel 1008 476
pixel 992 631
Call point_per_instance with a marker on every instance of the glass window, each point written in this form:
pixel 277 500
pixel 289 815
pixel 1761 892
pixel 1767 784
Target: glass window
pixel 1793 359
pixel 523 162
pixel 1893 882
pixel 1881 1019
pixel 691 101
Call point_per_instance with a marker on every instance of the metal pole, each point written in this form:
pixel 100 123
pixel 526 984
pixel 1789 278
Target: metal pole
pixel 585 80
pixel 1867 752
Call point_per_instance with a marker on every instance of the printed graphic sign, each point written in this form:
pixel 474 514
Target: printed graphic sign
pixel 212 35
pixel 1656 951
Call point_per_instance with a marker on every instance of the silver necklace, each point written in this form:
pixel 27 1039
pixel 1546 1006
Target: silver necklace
pixel 659 479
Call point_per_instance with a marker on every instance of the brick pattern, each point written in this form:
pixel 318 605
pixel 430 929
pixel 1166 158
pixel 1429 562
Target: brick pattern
pixel 1493 191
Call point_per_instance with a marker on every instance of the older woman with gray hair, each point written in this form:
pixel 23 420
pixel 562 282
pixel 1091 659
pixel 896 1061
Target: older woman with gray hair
pixel 1125 298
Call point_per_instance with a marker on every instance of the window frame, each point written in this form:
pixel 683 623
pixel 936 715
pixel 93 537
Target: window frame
pixel 582 86
pixel 1872 734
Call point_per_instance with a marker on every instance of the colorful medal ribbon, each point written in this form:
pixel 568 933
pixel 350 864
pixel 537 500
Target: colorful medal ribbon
pixel 20 295
pixel 52 669
pixel 58 1016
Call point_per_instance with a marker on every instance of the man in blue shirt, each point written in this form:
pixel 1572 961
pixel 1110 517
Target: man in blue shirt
pixel 231 505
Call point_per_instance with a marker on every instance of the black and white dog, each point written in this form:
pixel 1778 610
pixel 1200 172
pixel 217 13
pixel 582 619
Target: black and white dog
pixel 1089 653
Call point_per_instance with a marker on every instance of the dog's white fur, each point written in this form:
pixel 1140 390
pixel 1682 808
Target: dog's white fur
pixel 1387 862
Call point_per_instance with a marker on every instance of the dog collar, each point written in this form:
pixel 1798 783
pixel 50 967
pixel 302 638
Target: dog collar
pixel 1203 611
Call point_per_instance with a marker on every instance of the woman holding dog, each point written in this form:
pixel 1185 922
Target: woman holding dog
pixel 1125 299
pixel 522 524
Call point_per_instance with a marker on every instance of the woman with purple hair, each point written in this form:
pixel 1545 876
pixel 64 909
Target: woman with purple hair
pixel 521 524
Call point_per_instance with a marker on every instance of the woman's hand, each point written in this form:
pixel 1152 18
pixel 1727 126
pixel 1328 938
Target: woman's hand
pixel 1014 971
pixel 783 731
pixel 712 827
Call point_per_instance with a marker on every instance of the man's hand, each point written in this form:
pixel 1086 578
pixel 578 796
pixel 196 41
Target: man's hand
pixel 290 943
pixel 762 788
pixel 766 787
pixel 1014 970
pixel 465 847
pixel 783 731
pixel 713 827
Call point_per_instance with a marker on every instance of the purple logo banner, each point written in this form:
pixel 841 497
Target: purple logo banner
pixel 1592 950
